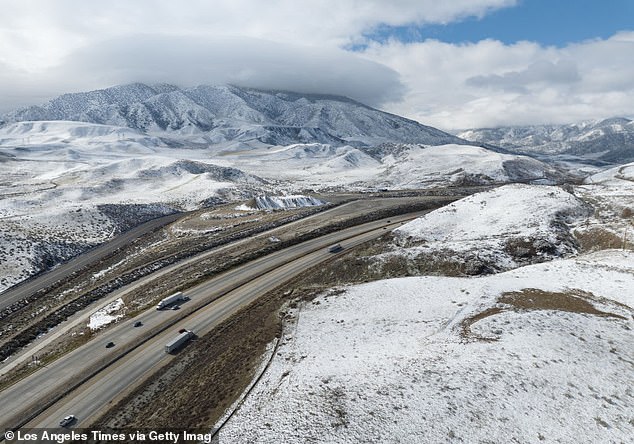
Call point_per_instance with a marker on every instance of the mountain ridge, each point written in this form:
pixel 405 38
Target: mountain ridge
pixel 211 115
pixel 607 140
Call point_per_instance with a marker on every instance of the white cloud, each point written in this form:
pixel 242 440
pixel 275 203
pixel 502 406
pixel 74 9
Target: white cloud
pixel 189 61
pixel 538 72
pixel 36 33
pixel 47 48
pixel 489 83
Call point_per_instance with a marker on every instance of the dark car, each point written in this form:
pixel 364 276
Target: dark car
pixel 182 330
pixel 67 420
pixel 335 248
pixel 176 307
pixel 138 324
pixel 110 344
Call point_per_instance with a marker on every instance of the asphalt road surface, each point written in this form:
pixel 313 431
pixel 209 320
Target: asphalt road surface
pixel 229 291
pixel 44 280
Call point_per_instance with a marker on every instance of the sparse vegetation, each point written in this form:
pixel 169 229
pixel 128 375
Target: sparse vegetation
pixel 573 301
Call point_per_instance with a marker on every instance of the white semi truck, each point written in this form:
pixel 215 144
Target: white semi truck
pixel 178 341
pixel 171 300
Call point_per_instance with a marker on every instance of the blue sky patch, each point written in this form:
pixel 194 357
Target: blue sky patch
pixel 547 22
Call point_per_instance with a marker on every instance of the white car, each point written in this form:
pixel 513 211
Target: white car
pixel 67 420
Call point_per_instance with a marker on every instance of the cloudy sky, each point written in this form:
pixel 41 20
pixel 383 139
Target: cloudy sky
pixel 451 64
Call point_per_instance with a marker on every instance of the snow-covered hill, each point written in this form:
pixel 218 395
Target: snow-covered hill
pixel 538 354
pixel 493 231
pixel 68 186
pixel 416 166
pixel 392 166
pixel 228 114
pixel 610 140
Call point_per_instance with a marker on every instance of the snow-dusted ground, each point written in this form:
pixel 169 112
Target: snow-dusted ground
pixel 410 360
pixel 56 176
pixel 611 193
pixel 540 353
pixel 501 228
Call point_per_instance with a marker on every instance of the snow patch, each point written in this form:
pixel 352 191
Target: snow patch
pixel 282 202
pixel 106 315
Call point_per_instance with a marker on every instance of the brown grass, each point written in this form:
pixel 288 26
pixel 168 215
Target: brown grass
pixel 595 239
pixel 574 301
pixel 530 299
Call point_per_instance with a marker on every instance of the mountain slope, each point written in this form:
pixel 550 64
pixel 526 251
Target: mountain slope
pixel 610 140
pixel 221 114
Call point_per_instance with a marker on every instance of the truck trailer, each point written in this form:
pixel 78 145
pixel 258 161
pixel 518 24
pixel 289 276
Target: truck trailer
pixel 178 341
pixel 170 300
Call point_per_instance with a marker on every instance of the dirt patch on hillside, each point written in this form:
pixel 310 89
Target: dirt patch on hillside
pixel 594 239
pixel 530 299
pixel 574 301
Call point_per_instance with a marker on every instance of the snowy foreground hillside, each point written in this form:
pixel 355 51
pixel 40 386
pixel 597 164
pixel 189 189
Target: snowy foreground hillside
pixel 540 353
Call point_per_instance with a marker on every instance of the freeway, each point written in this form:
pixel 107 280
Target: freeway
pixel 116 372
pixel 44 280
pixel 82 316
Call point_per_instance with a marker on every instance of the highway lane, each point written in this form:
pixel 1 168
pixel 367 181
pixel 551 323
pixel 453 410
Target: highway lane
pixel 82 316
pixel 66 370
pixel 44 280
pixel 93 398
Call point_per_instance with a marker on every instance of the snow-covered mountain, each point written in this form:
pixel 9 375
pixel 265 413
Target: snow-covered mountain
pixel 610 140
pixel 234 116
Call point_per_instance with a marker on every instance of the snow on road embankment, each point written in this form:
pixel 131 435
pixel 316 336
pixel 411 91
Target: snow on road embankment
pixel 281 202
pixel 496 230
pixel 540 353
pixel 107 315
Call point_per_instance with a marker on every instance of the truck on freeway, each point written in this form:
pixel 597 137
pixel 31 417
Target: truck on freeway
pixel 178 341
pixel 171 299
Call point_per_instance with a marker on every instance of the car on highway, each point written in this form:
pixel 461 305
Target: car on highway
pixel 110 344
pixel 67 420
pixel 138 324
pixel 335 248
pixel 176 307
pixel 182 330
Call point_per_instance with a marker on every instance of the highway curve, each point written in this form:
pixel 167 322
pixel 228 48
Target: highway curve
pixel 229 292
